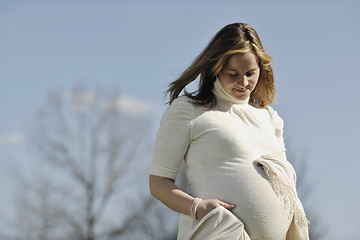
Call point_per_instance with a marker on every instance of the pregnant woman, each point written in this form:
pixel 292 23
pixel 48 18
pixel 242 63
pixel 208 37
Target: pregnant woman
pixel 240 185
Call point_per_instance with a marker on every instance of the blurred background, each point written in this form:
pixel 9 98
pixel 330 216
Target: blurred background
pixel 81 96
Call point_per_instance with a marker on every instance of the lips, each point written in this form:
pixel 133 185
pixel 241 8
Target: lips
pixel 242 90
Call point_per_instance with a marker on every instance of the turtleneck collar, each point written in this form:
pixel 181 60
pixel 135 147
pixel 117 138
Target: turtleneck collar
pixel 221 93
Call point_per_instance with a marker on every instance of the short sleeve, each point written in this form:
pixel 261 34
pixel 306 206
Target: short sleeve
pixel 172 139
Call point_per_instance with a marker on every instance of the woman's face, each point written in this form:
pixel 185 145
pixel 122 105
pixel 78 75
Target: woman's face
pixel 240 75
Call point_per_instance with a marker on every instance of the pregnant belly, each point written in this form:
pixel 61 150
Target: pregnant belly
pixel 257 205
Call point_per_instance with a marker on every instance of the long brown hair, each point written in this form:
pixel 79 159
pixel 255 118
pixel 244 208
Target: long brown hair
pixel 231 39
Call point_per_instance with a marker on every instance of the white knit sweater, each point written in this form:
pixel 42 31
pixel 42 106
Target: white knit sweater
pixel 220 147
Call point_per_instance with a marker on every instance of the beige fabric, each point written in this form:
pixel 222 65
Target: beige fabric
pixel 219 224
pixel 282 177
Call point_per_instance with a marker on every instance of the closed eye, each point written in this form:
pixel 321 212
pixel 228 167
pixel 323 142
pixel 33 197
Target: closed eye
pixel 249 74
pixel 233 75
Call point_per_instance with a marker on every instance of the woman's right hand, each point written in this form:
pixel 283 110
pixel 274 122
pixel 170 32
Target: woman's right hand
pixel 205 206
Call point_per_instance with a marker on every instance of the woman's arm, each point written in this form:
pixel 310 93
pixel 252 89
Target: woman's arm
pixel 165 190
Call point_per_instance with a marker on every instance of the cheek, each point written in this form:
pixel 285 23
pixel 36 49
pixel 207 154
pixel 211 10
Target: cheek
pixel 255 79
pixel 226 81
pixel 228 85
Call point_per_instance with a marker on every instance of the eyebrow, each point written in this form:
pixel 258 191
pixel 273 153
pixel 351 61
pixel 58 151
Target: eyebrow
pixel 253 69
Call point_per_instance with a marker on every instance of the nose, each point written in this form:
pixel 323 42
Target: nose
pixel 243 81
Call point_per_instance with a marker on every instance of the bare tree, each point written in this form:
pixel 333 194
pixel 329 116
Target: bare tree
pixel 306 189
pixel 95 152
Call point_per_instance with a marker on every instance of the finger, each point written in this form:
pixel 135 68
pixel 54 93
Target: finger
pixel 227 205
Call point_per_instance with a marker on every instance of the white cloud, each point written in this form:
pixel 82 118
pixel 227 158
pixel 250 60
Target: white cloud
pixel 11 138
pixel 126 104
pixel 132 105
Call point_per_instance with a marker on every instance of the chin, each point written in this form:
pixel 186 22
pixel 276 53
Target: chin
pixel 241 98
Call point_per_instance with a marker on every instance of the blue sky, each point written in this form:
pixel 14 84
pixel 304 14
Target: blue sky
pixel 141 47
